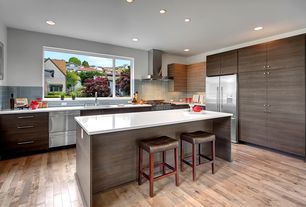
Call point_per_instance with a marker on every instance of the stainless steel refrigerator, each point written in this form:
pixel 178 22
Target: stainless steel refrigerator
pixel 221 96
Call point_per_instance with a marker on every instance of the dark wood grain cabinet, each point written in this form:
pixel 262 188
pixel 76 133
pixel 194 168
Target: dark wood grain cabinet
pixel 284 53
pixel 222 64
pixel 196 75
pixel 272 95
pixel 23 133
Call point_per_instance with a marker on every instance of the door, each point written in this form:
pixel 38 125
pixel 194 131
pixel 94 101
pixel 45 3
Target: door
pixel 228 100
pixel 229 62
pixel 252 113
pixel 286 110
pixel 253 58
pixel 213 65
pixel 286 53
pixel 212 93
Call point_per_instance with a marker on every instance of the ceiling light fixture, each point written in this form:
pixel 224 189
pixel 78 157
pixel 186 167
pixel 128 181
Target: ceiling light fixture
pixel 187 20
pixel 162 11
pixel 50 22
pixel 186 50
pixel 135 39
pixel 130 1
pixel 258 28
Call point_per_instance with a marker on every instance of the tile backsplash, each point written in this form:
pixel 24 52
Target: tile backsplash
pixel 147 89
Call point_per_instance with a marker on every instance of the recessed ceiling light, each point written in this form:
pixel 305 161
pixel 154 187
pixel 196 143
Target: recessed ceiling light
pixel 50 22
pixel 130 1
pixel 135 39
pixel 187 20
pixel 187 50
pixel 258 28
pixel 162 11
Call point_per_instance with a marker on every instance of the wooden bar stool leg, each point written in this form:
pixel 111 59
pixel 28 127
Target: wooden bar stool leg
pixel 199 154
pixel 151 174
pixel 213 151
pixel 182 156
pixel 164 161
pixel 177 182
pixel 194 161
pixel 140 169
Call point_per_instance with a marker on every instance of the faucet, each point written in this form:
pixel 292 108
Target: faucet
pixel 96 98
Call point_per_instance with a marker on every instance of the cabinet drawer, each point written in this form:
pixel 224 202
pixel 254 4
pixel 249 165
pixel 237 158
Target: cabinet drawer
pixel 22 143
pixel 23 123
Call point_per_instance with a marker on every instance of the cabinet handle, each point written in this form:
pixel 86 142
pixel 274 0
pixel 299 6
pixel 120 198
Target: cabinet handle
pixel 24 127
pixel 264 73
pixel 264 67
pixel 268 73
pixel 23 143
pixel 268 66
pixel 25 117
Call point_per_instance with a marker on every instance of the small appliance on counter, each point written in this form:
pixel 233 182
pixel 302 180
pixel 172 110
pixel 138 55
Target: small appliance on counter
pixel 21 103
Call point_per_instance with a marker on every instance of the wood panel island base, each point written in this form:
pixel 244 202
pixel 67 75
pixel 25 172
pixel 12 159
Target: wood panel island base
pixel 107 145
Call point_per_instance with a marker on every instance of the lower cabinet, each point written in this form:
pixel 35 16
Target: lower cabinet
pixel 23 133
pixel 272 109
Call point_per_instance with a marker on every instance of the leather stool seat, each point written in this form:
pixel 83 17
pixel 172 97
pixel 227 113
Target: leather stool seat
pixel 198 137
pixel 159 144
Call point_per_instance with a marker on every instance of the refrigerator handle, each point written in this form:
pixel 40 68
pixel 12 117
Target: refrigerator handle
pixel 218 99
pixel 221 99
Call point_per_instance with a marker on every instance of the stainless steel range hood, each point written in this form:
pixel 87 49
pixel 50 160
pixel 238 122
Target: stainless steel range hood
pixel 155 66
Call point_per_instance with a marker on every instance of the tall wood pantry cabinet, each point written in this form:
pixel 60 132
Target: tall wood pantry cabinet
pixel 272 94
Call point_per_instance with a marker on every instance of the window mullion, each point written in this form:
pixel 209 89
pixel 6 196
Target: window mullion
pixel 114 78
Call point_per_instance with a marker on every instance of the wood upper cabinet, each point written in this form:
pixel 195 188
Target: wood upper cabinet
pixel 229 62
pixel 179 74
pixel 252 101
pixel 286 53
pixel 278 54
pixel 213 65
pixel 196 76
pixel 286 110
pixel 222 64
pixel 253 58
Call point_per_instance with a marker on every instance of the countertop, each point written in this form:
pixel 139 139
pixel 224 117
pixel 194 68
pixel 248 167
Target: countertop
pixel 71 108
pixel 121 122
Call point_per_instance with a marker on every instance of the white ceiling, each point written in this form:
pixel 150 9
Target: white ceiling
pixel 214 24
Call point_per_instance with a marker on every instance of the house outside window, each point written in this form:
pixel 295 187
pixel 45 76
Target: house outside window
pixel 83 74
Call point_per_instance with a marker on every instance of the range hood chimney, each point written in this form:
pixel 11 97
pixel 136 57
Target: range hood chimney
pixel 155 66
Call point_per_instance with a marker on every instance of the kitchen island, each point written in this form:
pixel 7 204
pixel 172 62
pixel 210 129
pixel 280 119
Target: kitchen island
pixel 107 145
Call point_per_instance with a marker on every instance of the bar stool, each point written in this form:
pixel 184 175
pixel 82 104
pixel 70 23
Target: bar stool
pixel 198 138
pixel 153 146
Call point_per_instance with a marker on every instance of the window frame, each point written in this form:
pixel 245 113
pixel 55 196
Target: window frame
pixel 113 57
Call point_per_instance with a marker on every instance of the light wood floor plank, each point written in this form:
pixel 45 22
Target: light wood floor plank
pixel 256 177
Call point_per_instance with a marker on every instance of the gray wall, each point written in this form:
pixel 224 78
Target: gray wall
pixel 25 55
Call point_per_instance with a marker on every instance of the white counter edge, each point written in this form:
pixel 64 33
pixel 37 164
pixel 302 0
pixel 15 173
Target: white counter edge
pixel 218 115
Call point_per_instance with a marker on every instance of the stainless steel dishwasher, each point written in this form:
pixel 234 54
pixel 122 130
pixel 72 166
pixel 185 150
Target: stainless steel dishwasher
pixel 62 128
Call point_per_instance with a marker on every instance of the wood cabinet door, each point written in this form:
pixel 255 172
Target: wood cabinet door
pixel 180 77
pixel 286 113
pixel 286 53
pixel 229 62
pixel 253 58
pixel 252 101
pixel 196 76
pixel 213 65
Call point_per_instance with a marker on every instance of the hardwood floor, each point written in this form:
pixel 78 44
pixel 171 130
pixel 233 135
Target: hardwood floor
pixel 255 178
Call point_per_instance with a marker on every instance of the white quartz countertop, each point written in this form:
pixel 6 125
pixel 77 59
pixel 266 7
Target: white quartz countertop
pixel 121 122
pixel 71 108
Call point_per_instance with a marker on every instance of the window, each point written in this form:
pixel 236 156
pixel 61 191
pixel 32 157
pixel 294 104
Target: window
pixel 56 88
pixel 83 74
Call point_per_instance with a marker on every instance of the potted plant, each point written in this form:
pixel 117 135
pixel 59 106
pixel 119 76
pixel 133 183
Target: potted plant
pixel 73 95
pixel 63 95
